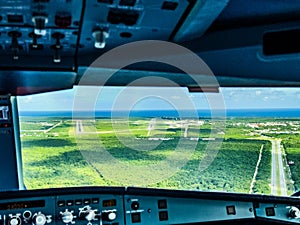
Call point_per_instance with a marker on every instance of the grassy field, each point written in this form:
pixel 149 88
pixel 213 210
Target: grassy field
pixel 55 159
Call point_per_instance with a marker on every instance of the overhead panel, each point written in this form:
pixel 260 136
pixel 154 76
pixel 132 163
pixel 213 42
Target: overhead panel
pixel 39 33
pixel 110 23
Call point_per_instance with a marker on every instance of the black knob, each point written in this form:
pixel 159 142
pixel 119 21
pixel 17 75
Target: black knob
pixel 56 56
pixel 135 205
pixel 109 216
pixel 34 37
pixel 84 212
pixel 15 47
pixel 57 46
pixel 83 215
pixel 58 36
pixel 294 212
pixel 27 215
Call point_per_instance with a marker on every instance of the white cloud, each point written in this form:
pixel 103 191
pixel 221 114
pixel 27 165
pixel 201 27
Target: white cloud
pixel 27 99
pixel 176 97
pixel 266 98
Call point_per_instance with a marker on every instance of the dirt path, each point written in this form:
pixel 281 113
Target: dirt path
pixel 256 170
pixel 51 128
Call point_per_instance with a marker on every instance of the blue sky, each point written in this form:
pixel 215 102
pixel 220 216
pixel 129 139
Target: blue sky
pixel 141 98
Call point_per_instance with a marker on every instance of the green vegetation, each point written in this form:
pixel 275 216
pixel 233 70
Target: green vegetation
pixel 34 124
pixel 291 144
pixel 63 156
pixel 263 179
pixel 232 169
pixel 52 159
pixel 293 155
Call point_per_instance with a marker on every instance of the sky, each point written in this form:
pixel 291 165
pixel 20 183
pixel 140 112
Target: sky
pixel 142 98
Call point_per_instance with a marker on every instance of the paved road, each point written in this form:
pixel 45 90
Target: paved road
pixel 186 127
pixel 151 126
pixel 79 127
pixel 278 177
pixel 274 167
pixel 281 170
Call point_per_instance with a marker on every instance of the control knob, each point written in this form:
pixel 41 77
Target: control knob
pixel 109 215
pixel 15 47
pixel 88 213
pixel 27 216
pixel 14 219
pixel 35 38
pixel 57 46
pixel 40 22
pixel 100 38
pixel 294 212
pixel 40 219
pixel 67 216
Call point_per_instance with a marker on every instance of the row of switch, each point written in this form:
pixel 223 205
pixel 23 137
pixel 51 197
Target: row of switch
pixel 136 216
pixel 161 204
pixel 39 22
pixel 28 217
pixel 99 35
pixel 89 214
pixel 77 202
pixel 62 20
pixel 163 213
pixel 15 47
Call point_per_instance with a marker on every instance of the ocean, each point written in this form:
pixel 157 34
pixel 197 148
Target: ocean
pixel 252 113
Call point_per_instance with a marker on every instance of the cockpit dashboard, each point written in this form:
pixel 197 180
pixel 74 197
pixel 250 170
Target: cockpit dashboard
pixel 117 205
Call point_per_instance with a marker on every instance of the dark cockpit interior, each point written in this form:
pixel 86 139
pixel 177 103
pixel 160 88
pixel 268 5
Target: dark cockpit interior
pixel 244 43
pixel 52 45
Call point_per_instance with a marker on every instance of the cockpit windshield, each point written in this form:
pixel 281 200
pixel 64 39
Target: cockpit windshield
pixel 243 140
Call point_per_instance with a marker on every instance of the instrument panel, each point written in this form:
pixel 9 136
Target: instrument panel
pixel 60 34
pixel 118 206
pixel 57 40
